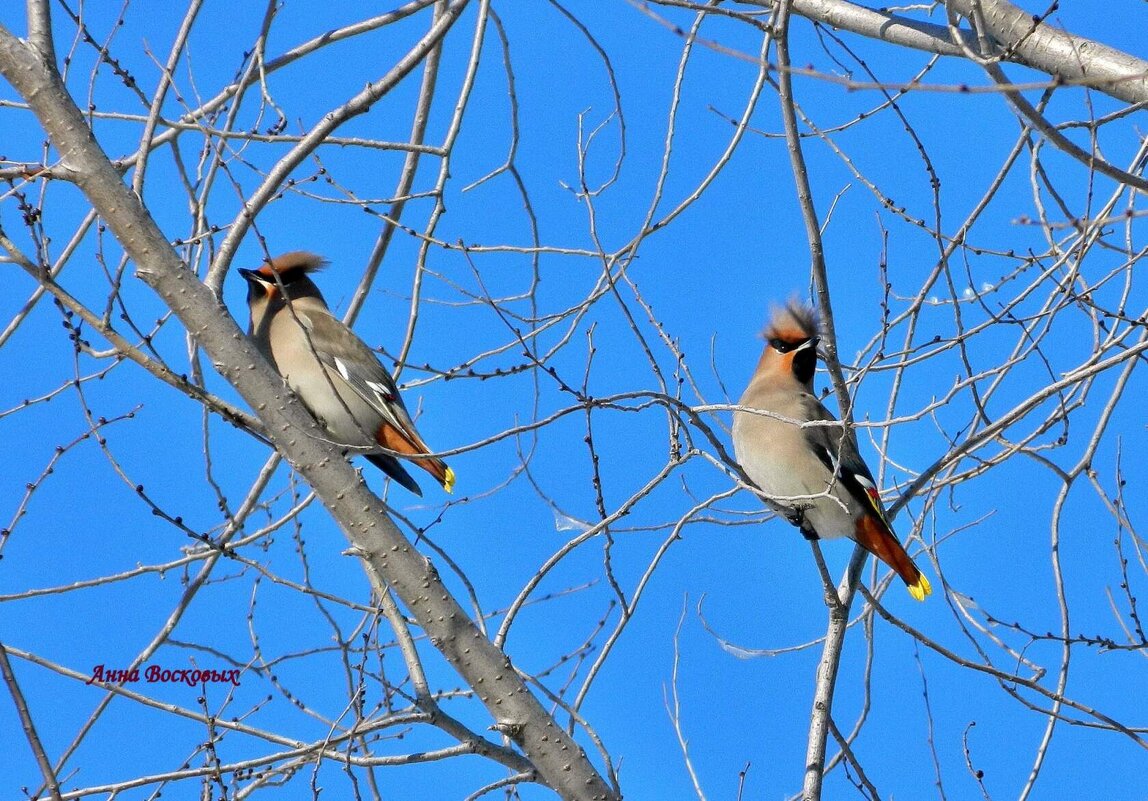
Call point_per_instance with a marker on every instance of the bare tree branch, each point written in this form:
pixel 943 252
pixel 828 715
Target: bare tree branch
pixel 560 762
pixel 1037 44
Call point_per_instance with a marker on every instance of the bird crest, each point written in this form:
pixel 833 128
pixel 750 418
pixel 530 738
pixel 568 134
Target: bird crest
pixel 794 323
pixel 291 265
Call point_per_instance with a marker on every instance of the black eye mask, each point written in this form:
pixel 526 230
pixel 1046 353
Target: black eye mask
pixel 781 346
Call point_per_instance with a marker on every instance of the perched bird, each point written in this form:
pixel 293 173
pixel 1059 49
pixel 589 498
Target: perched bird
pixel 332 371
pixel 806 464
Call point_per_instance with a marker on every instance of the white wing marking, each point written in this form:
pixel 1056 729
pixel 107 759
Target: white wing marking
pixel 380 389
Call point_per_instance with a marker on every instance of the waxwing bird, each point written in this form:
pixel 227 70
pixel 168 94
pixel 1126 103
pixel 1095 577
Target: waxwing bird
pixel 332 371
pixel 806 464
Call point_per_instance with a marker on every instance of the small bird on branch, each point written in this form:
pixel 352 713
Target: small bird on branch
pixel 803 460
pixel 335 374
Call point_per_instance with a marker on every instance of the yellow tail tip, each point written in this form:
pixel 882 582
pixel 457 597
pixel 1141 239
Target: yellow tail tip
pixel 921 589
pixel 448 480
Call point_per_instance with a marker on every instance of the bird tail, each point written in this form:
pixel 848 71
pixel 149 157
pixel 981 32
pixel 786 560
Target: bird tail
pixel 394 468
pixel 875 537
pixel 409 443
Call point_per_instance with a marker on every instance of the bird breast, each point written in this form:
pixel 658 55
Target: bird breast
pixel 347 417
pixel 775 455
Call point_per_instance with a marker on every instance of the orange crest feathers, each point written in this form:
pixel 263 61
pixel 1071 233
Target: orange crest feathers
pixel 297 262
pixel 795 322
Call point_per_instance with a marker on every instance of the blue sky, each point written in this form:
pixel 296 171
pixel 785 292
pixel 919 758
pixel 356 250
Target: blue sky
pixel 707 279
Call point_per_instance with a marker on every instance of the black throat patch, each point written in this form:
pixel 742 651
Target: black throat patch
pixel 805 364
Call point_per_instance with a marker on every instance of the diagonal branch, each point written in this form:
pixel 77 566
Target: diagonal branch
pixel 1063 55
pixel 560 762
pixel 1074 59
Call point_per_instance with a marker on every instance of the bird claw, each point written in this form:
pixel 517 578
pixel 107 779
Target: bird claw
pixel 796 516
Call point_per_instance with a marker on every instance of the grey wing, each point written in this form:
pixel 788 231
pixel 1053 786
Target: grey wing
pixel 823 440
pixel 347 355
pixel 837 450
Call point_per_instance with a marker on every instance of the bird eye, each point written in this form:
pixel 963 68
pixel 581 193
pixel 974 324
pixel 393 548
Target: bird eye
pixel 781 346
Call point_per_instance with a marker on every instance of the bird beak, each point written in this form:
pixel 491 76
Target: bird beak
pixel 258 285
pixel 812 342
